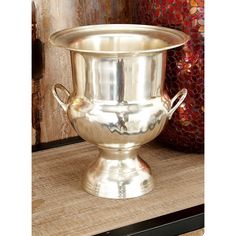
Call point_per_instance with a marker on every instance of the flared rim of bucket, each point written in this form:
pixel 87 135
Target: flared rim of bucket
pixel 113 39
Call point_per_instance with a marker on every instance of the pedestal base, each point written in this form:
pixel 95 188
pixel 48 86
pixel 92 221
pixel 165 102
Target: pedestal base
pixel 118 174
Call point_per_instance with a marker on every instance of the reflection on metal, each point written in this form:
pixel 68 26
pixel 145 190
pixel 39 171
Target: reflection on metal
pixel 118 101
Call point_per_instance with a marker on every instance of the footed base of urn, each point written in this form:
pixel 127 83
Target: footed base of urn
pixel 118 174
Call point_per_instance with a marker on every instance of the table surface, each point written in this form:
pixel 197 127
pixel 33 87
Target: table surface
pixel 61 207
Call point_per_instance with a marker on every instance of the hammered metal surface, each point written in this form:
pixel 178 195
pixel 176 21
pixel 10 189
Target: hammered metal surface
pixel 185 67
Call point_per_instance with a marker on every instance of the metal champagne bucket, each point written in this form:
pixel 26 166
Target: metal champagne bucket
pixel 118 100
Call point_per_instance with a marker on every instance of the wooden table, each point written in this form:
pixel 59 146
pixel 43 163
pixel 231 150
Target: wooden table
pixel 61 207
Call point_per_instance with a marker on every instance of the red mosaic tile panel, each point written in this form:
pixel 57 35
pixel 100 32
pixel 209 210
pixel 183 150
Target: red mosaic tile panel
pixel 185 67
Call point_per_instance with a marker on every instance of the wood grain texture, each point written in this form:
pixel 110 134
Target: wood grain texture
pixel 61 207
pixel 199 232
pixel 53 16
pixel 37 74
pixel 56 15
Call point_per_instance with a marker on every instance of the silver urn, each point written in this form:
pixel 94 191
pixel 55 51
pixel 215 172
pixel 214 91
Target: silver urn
pixel 118 100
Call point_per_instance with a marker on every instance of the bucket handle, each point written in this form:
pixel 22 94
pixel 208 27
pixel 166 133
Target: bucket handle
pixel 182 94
pixel 55 94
